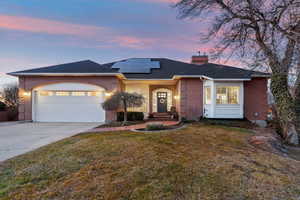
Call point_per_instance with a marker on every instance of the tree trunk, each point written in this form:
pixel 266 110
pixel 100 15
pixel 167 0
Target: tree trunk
pixel 285 107
pixel 125 112
pixel 297 104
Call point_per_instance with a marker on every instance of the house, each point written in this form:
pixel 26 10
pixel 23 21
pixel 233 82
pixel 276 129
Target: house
pixel 73 92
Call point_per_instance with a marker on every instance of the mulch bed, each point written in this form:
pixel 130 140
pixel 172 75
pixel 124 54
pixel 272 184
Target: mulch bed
pixel 119 124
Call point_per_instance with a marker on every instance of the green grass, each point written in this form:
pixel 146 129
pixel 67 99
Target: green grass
pixel 199 162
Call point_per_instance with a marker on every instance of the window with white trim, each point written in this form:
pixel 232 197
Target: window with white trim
pixel 227 95
pixel 46 93
pixel 78 94
pixel 93 94
pixel 62 93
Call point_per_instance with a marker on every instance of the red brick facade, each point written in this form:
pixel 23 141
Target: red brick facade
pixel 191 98
pixel 256 99
pixel 189 91
pixel 27 84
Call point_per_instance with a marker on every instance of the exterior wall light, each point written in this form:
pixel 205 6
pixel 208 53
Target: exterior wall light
pixel 26 94
pixel 108 94
pixel 176 97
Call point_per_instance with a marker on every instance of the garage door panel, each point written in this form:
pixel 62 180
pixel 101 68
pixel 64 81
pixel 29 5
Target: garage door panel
pixel 69 108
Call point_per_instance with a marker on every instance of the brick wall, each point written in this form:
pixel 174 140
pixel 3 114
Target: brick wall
pixel 191 98
pixel 3 116
pixel 109 83
pixel 256 99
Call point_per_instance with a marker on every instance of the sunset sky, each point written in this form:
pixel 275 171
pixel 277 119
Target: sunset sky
pixel 37 33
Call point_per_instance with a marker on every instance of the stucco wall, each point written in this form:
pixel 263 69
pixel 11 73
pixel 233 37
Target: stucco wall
pixel 27 84
pixel 142 89
pixel 191 98
pixel 153 88
pixel 256 99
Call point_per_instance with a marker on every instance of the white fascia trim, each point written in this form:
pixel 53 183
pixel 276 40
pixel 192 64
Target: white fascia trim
pixel 191 76
pixel 262 76
pixel 138 79
pixel 66 74
pixel 243 79
pixel 209 78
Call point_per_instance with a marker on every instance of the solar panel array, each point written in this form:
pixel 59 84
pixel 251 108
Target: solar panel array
pixel 136 65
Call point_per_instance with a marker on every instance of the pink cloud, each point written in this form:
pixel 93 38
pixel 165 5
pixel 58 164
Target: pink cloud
pixel 134 42
pixel 103 35
pixel 36 25
pixel 100 37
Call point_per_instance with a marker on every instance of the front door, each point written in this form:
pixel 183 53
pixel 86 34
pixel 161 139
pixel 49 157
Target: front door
pixel 162 102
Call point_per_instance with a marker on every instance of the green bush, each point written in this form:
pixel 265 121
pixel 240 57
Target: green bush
pixel 155 127
pixel 2 106
pixel 131 116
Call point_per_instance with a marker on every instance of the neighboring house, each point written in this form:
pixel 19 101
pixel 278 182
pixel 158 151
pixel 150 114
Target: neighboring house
pixel 73 92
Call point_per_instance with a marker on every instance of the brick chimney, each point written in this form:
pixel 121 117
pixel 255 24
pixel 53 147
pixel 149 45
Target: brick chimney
pixel 200 59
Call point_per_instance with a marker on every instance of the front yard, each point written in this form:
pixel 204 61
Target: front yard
pixel 198 162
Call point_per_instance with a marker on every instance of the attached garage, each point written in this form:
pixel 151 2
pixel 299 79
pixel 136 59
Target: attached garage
pixel 68 102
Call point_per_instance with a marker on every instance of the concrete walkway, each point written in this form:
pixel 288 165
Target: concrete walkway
pixel 137 126
pixel 19 138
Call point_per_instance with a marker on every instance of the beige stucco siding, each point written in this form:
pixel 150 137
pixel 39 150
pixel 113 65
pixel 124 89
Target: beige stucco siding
pixel 142 89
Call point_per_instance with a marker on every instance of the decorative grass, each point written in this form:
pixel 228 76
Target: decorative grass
pixel 201 161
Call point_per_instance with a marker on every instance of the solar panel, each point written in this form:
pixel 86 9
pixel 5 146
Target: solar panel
pixel 136 65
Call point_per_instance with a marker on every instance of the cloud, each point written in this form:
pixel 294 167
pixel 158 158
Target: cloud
pixel 104 35
pixel 36 25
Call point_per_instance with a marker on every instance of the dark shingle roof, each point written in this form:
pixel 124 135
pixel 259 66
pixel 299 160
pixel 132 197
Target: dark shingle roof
pixel 85 66
pixel 168 68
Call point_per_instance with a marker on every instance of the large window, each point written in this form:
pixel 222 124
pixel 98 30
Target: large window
pixel 228 95
pixel 207 93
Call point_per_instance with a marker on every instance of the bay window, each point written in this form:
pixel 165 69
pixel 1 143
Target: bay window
pixel 227 95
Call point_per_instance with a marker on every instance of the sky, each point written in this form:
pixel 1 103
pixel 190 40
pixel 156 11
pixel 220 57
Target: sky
pixel 38 33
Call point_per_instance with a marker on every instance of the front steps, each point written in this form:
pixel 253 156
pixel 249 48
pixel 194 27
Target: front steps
pixel 161 117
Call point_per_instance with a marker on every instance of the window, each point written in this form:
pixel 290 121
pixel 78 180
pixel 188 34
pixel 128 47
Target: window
pixel 62 93
pixel 228 95
pixel 78 94
pixel 46 93
pixel 207 92
pixel 93 94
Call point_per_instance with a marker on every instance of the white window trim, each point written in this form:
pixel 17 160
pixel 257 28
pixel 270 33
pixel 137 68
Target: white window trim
pixel 214 107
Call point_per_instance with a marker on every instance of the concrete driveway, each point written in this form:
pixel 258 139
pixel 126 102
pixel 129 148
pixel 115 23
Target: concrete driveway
pixel 19 138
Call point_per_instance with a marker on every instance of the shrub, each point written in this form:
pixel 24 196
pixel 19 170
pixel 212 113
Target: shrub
pixel 132 116
pixel 12 114
pixel 155 127
pixel 2 106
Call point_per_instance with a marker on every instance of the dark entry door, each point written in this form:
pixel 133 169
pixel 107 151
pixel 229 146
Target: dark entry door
pixel 162 102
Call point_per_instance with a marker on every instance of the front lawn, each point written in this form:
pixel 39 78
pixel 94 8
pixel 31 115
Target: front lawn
pixel 198 162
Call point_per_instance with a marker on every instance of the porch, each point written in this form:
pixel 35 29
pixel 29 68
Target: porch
pixel 160 97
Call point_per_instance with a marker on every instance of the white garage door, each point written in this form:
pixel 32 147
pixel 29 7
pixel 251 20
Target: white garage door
pixel 68 106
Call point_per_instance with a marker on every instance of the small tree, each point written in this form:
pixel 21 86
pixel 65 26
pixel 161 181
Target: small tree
pixel 11 96
pixel 123 100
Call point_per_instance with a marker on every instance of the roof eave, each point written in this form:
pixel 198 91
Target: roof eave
pixel 65 74
pixel 261 76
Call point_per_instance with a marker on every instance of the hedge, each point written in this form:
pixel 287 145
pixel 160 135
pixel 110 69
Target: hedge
pixel 131 116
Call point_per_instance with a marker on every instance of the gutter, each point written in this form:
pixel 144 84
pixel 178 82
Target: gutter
pixel 66 74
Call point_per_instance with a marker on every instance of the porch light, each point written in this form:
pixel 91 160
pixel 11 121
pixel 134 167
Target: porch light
pixel 108 94
pixel 26 94
pixel 176 97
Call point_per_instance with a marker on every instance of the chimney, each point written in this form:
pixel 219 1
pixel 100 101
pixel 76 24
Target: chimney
pixel 199 59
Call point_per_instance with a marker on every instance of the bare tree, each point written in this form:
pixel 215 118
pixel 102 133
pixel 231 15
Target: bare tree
pixel 123 100
pixel 260 30
pixel 11 96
